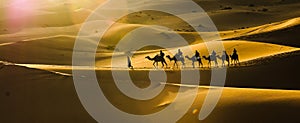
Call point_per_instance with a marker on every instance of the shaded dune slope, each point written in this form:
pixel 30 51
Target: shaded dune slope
pixel 286 36
pixel 31 95
pixel 28 99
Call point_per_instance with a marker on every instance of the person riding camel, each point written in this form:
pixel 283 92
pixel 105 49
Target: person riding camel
pixel 234 51
pixel 179 54
pixel 213 54
pixel 224 53
pixel 235 57
pixel 197 55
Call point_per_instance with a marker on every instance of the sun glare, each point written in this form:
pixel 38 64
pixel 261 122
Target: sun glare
pixel 19 13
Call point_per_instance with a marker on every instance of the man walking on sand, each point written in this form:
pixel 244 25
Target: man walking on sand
pixel 128 54
pixel 162 55
pixel 129 62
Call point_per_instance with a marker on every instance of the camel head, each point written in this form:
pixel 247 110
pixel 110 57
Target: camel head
pixel 148 57
pixel 206 58
pixel 169 57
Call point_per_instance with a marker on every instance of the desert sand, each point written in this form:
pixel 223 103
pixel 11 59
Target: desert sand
pixel 36 82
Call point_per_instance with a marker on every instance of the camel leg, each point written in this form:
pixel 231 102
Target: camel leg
pixel 236 62
pixel 200 63
pixel 216 63
pixel 228 63
pixel 162 64
pixel 165 63
pixel 223 63
pixel 154 64
pixel 174 65
pixel 193 64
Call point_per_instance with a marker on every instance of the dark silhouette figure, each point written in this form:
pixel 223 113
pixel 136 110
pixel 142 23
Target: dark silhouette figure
pixel 197 55
pixel 195 58
pixel 181 59
pixel 211 58
pixel 129 62
pixel 128 54
pixel 156 59
pixel 179 54
pixel 162 55
pixel 235 57
pixel 224 57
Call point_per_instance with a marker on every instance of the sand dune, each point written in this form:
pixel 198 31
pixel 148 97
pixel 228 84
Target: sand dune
pixel 249 13
pixel 266 28
pixel 36 83
pixel 270 72
pixel 290 37
pixel 40 96
pixel 74 12
pixel 55 50
pixel 269 33
pixel 46 13
pixel 247 50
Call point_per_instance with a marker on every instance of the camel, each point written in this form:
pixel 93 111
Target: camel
pixel 194 59
pixel 224 58
pixel 175 59
pixel 211 58
pixel 157 59
pixel 235 59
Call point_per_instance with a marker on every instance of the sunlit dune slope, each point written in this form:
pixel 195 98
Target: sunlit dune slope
pixel 58 50
pixel 48 50
pixel 283 32
pixel 249 105
pixel 54 45
pixel 246 50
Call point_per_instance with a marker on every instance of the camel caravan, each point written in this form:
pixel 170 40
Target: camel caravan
pixel 212 58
